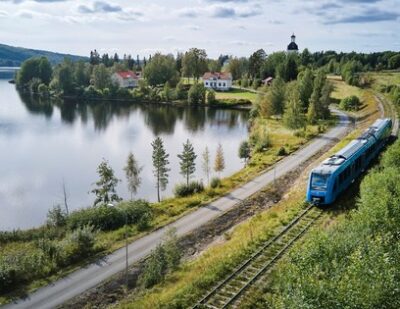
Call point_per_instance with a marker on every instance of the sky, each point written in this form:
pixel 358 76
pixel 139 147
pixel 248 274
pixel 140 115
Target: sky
pixel 233 27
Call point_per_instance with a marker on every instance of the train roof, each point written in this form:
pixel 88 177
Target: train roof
pixel 331 164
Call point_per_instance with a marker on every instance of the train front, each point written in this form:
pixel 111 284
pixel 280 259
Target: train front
pixel 318 190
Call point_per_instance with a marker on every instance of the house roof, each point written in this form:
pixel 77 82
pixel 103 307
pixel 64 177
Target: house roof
pixel 217 75
pixel 128 74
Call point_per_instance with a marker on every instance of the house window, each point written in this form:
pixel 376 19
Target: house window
pixel 219 84
pixel 206 83
pixel 224 84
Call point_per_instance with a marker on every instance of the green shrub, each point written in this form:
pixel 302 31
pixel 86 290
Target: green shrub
pixel 138 212
pixel 43 90
pixel 256 83
pixel 215 182
pixel 106 218
pixel 183 189
pixel 350 103
pixel 102 217
pixel 155 267
pixel 92 93
pixel 77 244
pixel 197 94
pixel 211 97
pixel 282 151
pixel 56 216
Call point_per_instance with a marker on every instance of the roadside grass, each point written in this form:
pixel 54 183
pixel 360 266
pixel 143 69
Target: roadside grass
pixel 236 94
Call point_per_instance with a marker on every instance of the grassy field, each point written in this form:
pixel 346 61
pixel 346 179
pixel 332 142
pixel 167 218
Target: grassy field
pixel 236 94
pixel 185 286
pixel 368 109
pixel 382 79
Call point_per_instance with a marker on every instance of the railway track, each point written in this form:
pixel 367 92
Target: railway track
pixel 230 290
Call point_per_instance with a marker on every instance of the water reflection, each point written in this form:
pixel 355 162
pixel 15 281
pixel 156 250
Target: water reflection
pixel 161 119
pixel 47 142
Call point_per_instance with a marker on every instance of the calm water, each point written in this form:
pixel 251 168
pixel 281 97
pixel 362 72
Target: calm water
pixel 44 144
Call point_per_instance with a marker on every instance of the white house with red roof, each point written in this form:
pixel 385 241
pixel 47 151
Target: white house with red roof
pixel 126 79
pixel 217 80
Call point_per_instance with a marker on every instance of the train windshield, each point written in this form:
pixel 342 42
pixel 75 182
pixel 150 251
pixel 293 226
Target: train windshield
pixel 319 181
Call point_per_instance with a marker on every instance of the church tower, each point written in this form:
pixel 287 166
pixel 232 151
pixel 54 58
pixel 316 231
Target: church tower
pixel 292 47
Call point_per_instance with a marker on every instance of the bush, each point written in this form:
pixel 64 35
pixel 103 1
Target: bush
pixel 350 103
pixel 77 244
pixel 260 140
pixel 215 182
pixel 56 216
pixel 256 83
pixel 138 212
pixel 92 93
pixel 102 217
pixel 282 151
pixel 183 189
pixel 34 84
pixel 211 97
pixel 106 218
pixel 43 90
pixel 197 94
pixel 155 267
pixel 180 91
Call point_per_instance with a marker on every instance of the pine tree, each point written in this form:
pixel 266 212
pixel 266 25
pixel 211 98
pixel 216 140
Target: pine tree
pixel 105 191
pixel 160 162
pixel 206 164
pixel 219 164
pixel 276 96
pixel 187 161
pixel 132 172
pixel 244 151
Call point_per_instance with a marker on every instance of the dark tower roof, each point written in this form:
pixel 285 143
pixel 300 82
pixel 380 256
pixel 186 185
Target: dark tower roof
pixel 293 46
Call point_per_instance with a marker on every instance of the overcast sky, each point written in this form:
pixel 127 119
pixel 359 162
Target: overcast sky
pixel 234 27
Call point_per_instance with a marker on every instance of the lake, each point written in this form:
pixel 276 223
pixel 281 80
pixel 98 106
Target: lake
pixel 44 145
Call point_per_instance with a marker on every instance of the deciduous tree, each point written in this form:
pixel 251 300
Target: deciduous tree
pixel 219 163
pixel 132 173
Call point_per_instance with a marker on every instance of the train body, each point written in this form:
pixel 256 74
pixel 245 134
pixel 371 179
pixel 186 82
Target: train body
pixel 336 173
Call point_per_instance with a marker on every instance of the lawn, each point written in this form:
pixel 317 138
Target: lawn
pixel 237 94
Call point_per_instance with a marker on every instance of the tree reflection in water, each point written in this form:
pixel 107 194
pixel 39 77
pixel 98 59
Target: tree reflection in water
pixel 161 119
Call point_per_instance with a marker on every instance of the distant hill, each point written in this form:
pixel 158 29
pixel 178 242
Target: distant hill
pixel 11 56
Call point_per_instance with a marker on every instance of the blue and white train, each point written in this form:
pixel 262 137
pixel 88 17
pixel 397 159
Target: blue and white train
pixel 336 173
